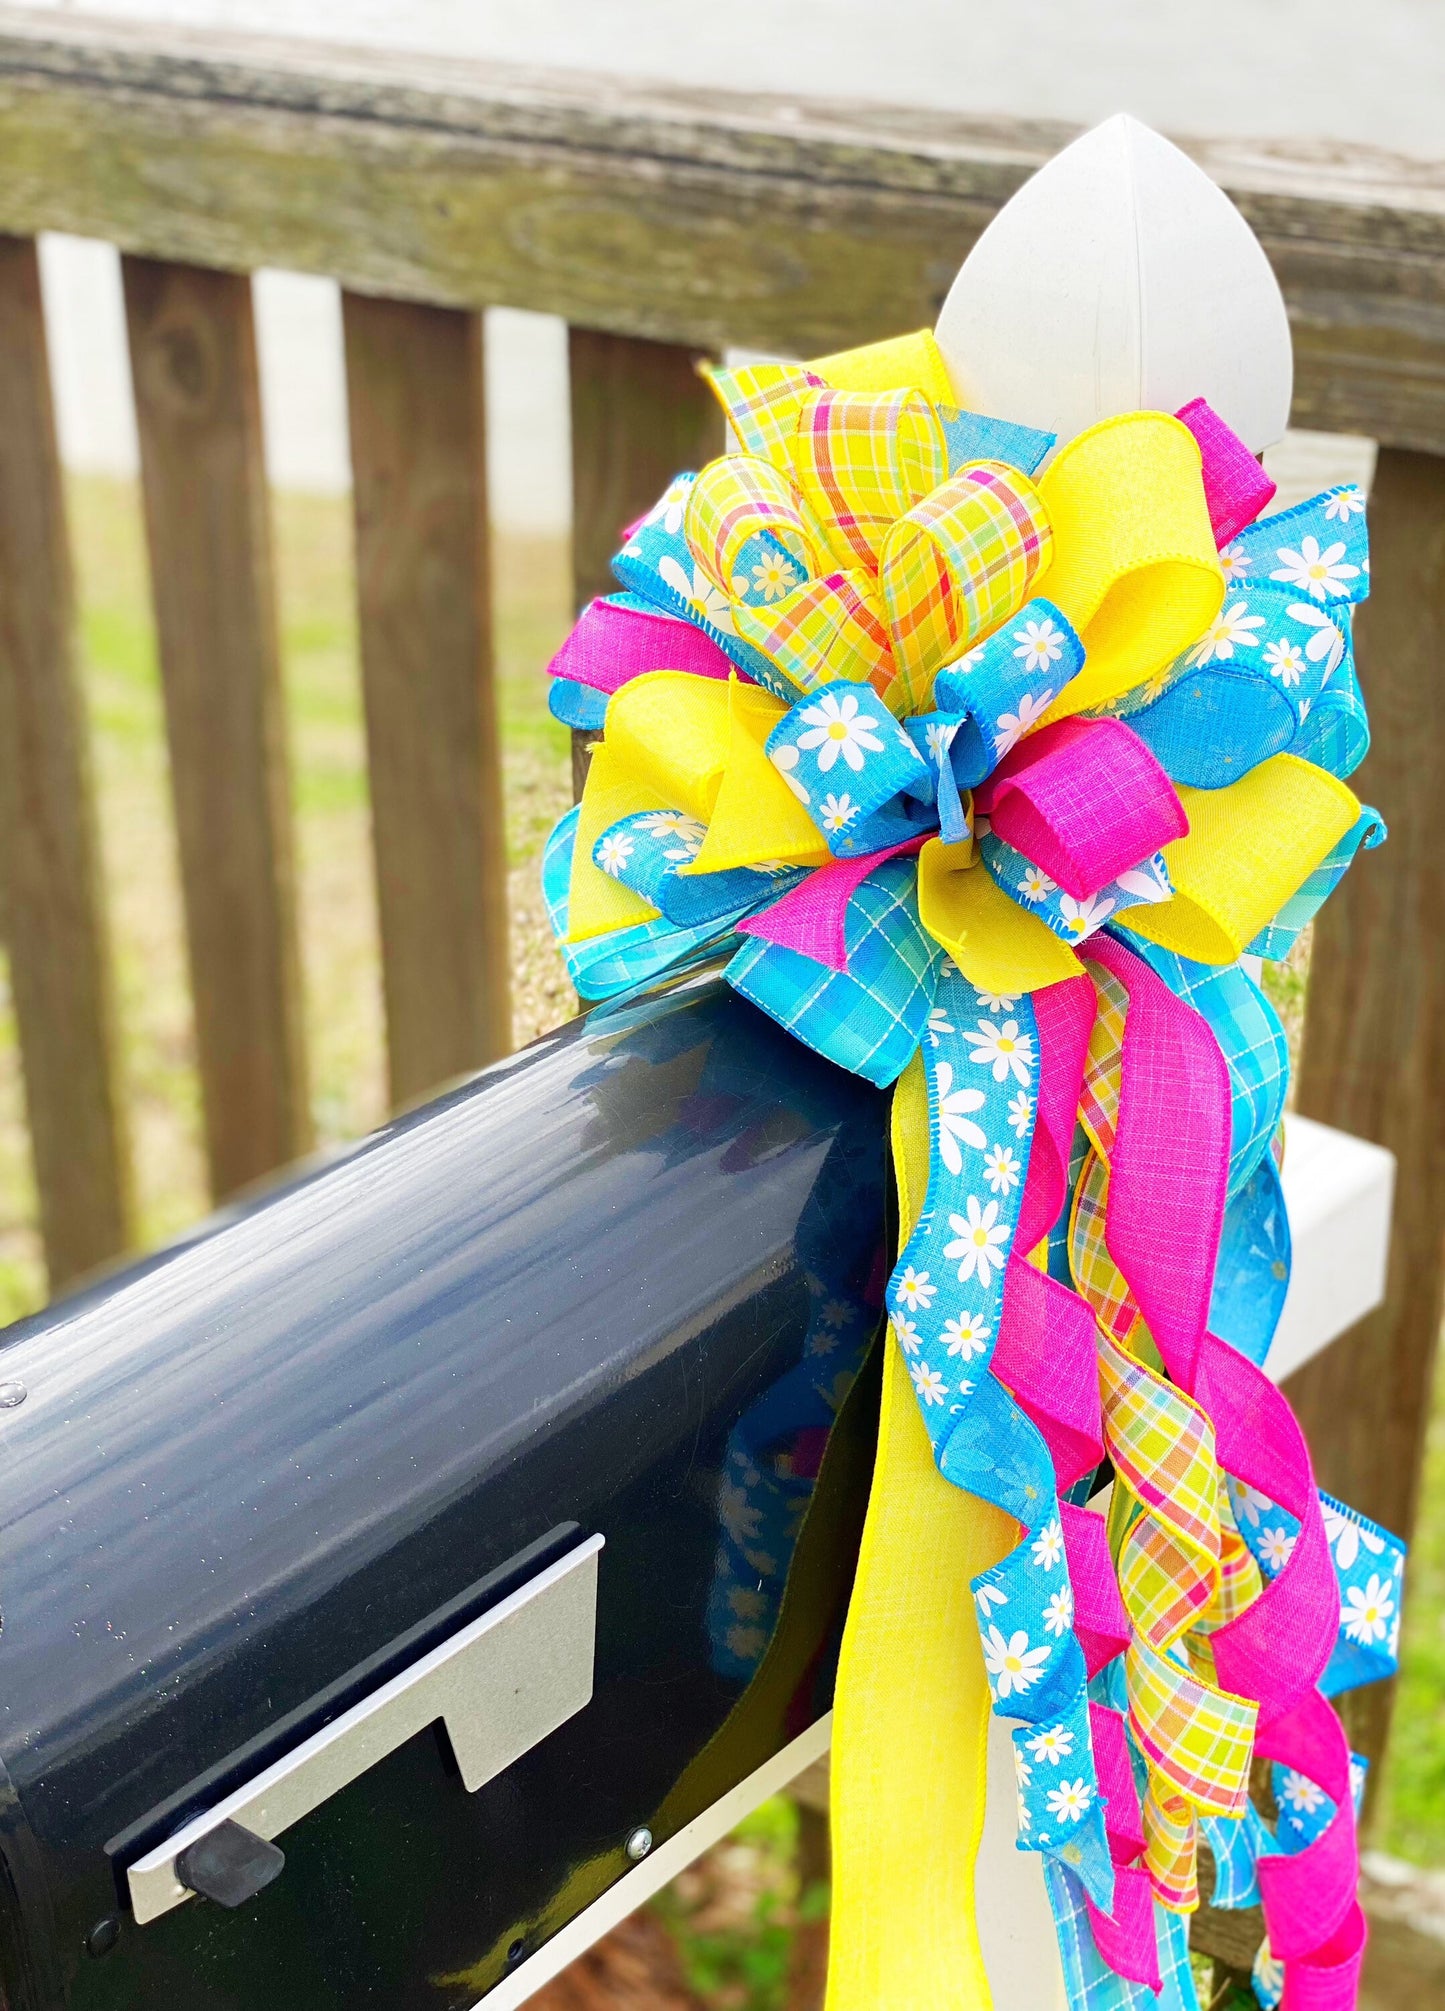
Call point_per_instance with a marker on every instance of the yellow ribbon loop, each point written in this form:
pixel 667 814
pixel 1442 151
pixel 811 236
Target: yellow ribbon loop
pixel 695 744
pixel 997 945
pixel 1135 566
pixel 903 362
pixel 1249 847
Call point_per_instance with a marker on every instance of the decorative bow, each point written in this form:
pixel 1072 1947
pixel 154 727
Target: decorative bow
pixel 996 779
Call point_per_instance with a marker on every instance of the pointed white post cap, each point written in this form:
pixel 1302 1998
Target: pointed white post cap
pixel 1119 279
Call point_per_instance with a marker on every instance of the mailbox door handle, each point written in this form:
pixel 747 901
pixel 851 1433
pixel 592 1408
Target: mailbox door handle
pixel 500 1685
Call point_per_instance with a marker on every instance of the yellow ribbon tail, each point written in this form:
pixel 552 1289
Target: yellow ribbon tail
pixel 1249 847
pixel 596 903
pixel 911 1706
pixel 756 819
pixel 997 945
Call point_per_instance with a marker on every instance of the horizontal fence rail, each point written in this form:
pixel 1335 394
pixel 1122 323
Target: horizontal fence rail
pixel 663 225
pixel 689 217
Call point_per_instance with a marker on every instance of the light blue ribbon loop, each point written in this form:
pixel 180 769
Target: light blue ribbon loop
pixel 1251 1272
pixel 867 785
pixel 1073 921
pixel 657 565
pixel 1274 673
pixel 972 437
pixel 995 692
pixel 619 962
pixel 871 1017
pixel 646 852
pixel 1278 938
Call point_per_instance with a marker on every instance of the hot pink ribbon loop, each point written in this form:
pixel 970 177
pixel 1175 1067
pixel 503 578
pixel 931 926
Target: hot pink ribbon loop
pixel 1044 1357
pixel 1085 800
pixel 610 645
pixel 1100 1621
pixel 1170 1164
pixel 813 918
pixel 1236 488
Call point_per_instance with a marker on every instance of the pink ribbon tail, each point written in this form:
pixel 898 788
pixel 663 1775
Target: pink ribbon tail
pixel 610 645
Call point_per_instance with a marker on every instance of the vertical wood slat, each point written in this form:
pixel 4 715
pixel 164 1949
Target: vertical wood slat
pixel 418 441
pixel 1374 1040
pixel 198 412
pixel 53 911
pixel 640 415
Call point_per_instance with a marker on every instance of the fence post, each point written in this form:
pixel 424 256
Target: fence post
pixel 198 411
pixel 54 918
pixel 418 451
pixel 1374 1040
pixel 640 415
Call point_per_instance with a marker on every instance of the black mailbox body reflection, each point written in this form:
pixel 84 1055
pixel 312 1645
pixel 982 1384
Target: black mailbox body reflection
pixel 624 1283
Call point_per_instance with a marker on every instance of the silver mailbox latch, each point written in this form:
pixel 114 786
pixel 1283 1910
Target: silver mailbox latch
pixel 499 1686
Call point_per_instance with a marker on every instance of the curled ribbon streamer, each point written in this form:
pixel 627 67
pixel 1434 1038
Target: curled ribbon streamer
pixel 921 819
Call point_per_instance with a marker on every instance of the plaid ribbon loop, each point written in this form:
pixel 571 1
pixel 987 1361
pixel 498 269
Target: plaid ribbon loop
pixel 891 773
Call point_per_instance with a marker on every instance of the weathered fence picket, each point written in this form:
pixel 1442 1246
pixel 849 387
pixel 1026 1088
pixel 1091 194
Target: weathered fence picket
pixel 418 452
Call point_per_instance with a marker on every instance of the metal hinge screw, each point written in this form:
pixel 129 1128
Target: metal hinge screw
pixel 639 1844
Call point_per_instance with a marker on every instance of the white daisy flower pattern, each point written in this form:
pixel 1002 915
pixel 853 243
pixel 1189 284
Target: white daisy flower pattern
pixel 1054 1743
pixel 613 852
pixel 1035 886
pixel 989 1597
pixel 837 812
pixel 997 1001
pixel 1001 1169
pixel 1048 1546
pixel 1010 727
pixel 1365 1615
pixel 836 726
pixel 954 1121
pixel 1234 564
pixel 699 592
pixel 1003 1049
pixel 1020 1113
pixel 1059 1613
pixel 1325 637
pixel 1275 1547
pixel 907 1333
pixel 1039 645
pixel 1300 1794
pixel 966 1336
pixel 1082 918
pixel 939 739
pixel 1345 504
pixel 939 1024
pixel 1014 1666
pixel 1068 1801
pixel 1286 661
pixel 1232 628
pixel 928 1383
pixel 978 1240
pixel 916 1290
pixel 1324 574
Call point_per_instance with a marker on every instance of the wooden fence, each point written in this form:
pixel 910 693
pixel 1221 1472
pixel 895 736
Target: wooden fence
pixel 661 225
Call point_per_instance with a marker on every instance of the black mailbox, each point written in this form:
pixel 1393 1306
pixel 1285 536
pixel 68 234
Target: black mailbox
pixel 386 1569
